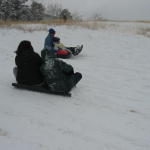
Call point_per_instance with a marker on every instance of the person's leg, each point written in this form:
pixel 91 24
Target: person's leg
pixel 75 78
pixel 72 49
pixel 75 50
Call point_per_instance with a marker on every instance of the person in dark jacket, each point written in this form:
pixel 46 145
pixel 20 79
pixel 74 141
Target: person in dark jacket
pixel 59 76
pixel 28 65
pixel 49 40
pixel 53 44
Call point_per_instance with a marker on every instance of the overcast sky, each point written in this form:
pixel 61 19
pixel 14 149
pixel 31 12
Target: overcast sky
pixel 113 9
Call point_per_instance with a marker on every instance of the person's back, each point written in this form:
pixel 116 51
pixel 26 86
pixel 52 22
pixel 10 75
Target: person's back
pixel 49 45
pixel 28 65
pixel 59 75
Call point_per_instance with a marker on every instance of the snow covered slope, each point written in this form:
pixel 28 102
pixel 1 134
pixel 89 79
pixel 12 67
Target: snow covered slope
pixel 109 109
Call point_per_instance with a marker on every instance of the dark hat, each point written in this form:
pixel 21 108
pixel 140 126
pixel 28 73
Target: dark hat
pixel 24 47
pixel 52 31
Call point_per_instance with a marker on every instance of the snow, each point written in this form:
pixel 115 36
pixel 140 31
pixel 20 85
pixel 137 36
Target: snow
pixel 109 108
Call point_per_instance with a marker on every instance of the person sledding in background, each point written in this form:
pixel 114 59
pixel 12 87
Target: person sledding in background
pixel 62 49
pixel 49 40
pixel 52 43
pixel 28 62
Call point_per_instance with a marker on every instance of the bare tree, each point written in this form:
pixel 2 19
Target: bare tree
pixel 37 10
pixel 65 15
pixel 54 10
pixel 97 16
pixel 76 16
pixel 10 9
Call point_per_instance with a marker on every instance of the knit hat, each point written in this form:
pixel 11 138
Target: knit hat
pixel 52 31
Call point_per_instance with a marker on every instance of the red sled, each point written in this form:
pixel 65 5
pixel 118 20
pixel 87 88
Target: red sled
pixel 63 54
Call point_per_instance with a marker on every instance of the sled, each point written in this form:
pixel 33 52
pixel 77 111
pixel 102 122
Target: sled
pixel 63 54
pixel 38 88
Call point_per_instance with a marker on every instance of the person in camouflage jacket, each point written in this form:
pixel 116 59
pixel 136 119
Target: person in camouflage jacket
pixel 59 76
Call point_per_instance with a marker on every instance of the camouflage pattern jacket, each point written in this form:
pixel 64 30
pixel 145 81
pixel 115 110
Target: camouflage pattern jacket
pixel 57 73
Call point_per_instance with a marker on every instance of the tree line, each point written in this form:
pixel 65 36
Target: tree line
pixel 19 10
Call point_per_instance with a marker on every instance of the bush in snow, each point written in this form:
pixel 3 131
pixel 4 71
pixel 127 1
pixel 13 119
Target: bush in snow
pixel 11 10
pixel 18 10
pixel 37 10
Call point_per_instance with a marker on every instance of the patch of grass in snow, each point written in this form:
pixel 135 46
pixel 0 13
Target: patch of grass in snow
pixel 43 25
pixel 144 31
pixel 133 111
pixel 3 133
pixel 93 25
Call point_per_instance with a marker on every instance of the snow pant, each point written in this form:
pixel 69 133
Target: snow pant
pixel 75 78
pixel 75 50
pixel 72 49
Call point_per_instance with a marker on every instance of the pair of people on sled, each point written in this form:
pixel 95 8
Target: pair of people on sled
pixel 53 43
pixel 46 71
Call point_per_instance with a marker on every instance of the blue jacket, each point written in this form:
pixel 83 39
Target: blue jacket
pixel 49 45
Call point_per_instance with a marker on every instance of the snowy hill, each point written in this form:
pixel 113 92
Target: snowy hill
pixel 109 109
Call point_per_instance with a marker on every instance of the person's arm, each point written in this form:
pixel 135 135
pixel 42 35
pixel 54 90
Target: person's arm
pixel 39 60
pixel 47 41
pixel 17 61
pixel 49 44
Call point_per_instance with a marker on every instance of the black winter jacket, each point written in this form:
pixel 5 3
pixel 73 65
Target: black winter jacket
pixel 58 75
pixel 28 65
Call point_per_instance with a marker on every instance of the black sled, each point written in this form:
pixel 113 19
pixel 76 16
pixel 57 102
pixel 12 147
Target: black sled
pixel 38 88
